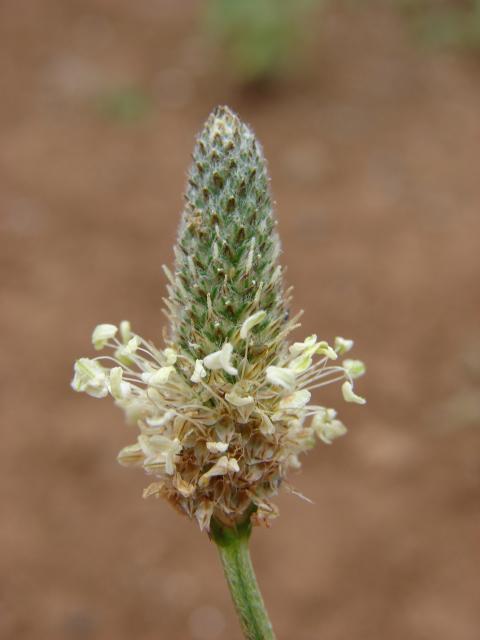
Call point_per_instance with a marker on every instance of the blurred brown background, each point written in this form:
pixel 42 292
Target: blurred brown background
pixel 373 141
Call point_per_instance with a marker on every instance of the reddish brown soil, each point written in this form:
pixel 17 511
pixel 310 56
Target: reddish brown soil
pixel 374 155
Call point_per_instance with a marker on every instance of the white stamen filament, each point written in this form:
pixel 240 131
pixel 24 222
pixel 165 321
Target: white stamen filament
pixel 327 382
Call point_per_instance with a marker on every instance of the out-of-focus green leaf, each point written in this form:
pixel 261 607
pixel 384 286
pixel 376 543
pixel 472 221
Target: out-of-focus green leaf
pixel 127 104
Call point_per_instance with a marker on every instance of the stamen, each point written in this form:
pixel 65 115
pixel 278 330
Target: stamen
pixel 319 374
pixel 324 384
pixel 117 362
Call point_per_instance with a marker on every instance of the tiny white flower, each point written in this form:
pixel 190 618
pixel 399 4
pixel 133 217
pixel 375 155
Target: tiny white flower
pixel 89 376
pixel 118 387
pixel 303 361
pixel 342 345
pixel 217 447
pixel 244 404
pixel 281 377
pixel 158 377
pixel 349 395
pixel 102 334
pixel 221 360
pixel 324 415
pixel 330 431
pixel 223 466
pixel 326 427
pixel 251 322
pixel 198 372
pixel 354 368
pixel 296 400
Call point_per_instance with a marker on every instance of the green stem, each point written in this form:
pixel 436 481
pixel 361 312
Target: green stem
pixel 232 546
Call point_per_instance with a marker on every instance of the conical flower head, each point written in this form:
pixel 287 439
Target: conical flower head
pixel 224 409
pixel 226 266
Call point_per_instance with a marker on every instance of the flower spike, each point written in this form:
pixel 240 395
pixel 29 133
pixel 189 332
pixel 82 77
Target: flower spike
pixel 223 410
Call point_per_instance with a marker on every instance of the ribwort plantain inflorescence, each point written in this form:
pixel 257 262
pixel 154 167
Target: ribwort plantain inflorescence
pixel 224 408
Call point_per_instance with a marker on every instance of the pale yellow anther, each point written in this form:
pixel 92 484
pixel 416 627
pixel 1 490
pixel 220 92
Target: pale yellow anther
pixel 118 387
pixel 161 420
pixel 251 322
pixel 296 400
pixel 354 368
pixel 299 347
pixel 199 372
pixel 330 431
pixel 125 331
pixel 125 351
pixel 132 455
pixel 342 345
pixel 349 395
pixel 102 334
pixel 217 447
pixel 89 377
pixel 281 377
pixel 158 377
pixel 303 361
pixel 326 427
pixel 325 349
pixel 324 415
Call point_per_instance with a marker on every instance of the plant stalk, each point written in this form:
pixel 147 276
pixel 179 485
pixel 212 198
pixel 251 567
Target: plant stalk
pixel 232 545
